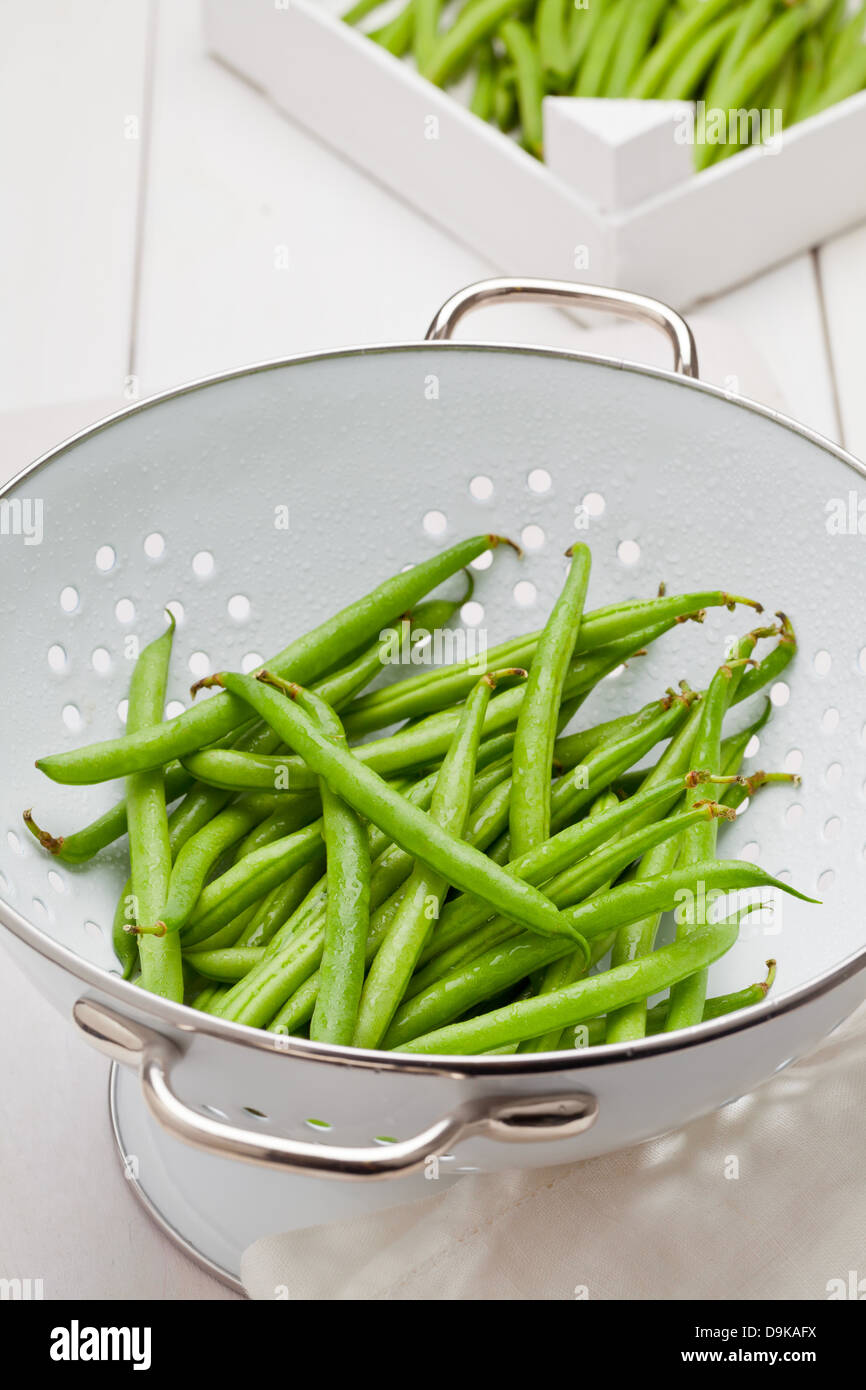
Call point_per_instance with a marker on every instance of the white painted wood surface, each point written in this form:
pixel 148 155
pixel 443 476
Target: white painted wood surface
pixel 234 191
pixel 842 268
pixel 72 88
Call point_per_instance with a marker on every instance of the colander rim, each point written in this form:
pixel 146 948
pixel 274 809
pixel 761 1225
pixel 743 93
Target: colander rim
pixel 190 1021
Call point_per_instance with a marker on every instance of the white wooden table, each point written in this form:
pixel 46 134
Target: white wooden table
pixel 154 201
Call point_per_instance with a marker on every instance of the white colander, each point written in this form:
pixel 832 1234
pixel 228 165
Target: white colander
pixel 381 455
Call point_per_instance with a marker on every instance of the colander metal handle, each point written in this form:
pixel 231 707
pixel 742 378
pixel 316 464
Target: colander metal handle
pixel 619 302
pixel 509 1119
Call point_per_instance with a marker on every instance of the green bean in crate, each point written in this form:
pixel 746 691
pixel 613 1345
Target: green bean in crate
pixel 794 56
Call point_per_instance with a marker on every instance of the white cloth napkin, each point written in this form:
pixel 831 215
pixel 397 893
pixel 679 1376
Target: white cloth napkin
pixel 664 1220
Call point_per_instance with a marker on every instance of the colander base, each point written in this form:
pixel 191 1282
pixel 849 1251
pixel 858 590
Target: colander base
pixel 213 1208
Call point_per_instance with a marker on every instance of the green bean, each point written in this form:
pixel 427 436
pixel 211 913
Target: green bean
pixel 595 875
pixel 811 77
pixel 232 933
pixel 846 38
pixel 567 969
pixel 200 854
pixel 634 40
pixel 415 832
pixel 638 938
pixel 584 22
pixel 292 957
pixel 84 844
pixel 426 29
pixel 304 659
pixel 753 20
pixel 527 76
pixel 598 59
pixel 680 39
pixel 280 904
pixel 425 891
pixel 204 998
pixel 593 995
pixel 347 910
pixel 685 77
pixel 596 917
pixel 427 741
pixel 243 772
pixel 248 880
pixel 552 39
pixel 227 965
pixel 593 1032
pixel 505 98
pixel 582 783
pixel 186 820
pixel 149 849
pixel 699 843
pixel 765 55
pixel 239 770
pixel 781 94
pixel 476 23
pixel 292 813
pixel 481 103
pixel 360 10
pixel 536 720
pixel 485 821
pixel 464 914
pixel 850 79
pixel 434 690
pixel 573 748
pixel 396 36
pixel 603 764
pixel 588 876
pixel 733 750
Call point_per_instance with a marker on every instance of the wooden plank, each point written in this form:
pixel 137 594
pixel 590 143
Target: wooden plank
pixel 71 95
pixel 260 242
pixel 842 269
pixel 780 314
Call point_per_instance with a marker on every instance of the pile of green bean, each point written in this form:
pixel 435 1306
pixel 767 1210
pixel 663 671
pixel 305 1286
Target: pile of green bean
pixel 454 886
pixel 793 56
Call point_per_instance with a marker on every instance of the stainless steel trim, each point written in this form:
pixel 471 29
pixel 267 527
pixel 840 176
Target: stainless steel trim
pixel 184 1019
pixel 620 302
pixel 510 1119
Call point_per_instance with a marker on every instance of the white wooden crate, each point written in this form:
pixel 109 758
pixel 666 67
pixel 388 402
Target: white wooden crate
pixel 617 201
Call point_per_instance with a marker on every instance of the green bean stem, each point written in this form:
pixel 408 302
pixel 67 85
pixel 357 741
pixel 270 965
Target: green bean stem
pixel 347 910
